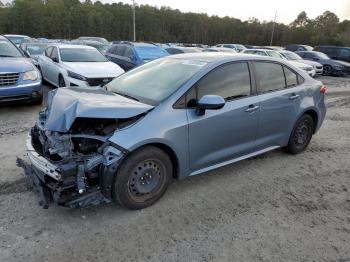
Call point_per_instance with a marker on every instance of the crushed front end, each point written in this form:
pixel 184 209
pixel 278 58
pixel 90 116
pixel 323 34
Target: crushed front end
pixel 74 169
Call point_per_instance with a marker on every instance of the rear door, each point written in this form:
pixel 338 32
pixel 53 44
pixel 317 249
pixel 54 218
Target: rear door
pixel 53 66
pixel 45 62
pixel 227 133
pixel 279 99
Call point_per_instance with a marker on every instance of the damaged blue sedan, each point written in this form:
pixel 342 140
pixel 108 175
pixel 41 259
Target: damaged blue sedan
pixel 174 117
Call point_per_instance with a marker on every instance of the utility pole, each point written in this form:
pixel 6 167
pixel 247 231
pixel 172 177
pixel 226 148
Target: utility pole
pixel 273 28
pixel 133 16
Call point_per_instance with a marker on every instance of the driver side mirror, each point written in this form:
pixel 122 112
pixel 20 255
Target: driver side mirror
pixel 209 102
pixel 55 59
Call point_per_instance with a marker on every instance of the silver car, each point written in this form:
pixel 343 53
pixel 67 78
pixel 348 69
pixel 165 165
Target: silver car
pixel 174 117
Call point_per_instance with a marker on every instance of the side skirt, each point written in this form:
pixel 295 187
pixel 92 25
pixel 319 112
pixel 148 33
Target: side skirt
pixel 206 169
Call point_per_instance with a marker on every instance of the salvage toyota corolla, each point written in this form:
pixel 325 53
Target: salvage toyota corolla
pixel 177 116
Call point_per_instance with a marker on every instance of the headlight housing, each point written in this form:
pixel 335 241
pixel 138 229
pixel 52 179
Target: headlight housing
pixel 31 75
pixel 76 76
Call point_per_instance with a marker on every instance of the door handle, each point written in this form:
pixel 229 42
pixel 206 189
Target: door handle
pixel 294 96
pixel 252 108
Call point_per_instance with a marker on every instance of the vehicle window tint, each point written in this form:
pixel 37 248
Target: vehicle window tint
pixel 129 53
pixel 54 53
pixel 344 52
pixel 112 50
pixel 48 51
pixel 270 76
pixel 121 50
pixel 229 81
pixel 291 77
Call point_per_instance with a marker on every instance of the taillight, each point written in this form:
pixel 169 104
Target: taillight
pixel 323 89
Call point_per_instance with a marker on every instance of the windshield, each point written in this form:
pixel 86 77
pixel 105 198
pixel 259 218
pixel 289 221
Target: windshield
pixel 274 54
pixel 81 55
pixel 153 82
pixel 291 56
pixel 98 39
pixel 7 49
pixel 18 39
pixel 320 55
pixel 36 49
pixel 150 52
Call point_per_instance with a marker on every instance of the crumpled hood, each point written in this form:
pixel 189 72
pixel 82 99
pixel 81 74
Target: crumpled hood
pixel 15 64
pixel 64 105
pixel 95 69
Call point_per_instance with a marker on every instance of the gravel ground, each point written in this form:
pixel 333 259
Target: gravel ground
pixel 274 207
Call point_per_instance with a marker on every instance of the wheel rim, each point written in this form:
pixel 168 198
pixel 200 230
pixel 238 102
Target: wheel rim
pixel 302 133
pixel 146 180
pixel 327 70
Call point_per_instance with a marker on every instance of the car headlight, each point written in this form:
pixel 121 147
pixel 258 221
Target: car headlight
pixel 31 75
pixel 76 76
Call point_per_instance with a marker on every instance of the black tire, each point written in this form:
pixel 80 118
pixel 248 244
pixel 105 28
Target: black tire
pixel 327 70
pixel 301 134
pixel 142 178
pixel 61 82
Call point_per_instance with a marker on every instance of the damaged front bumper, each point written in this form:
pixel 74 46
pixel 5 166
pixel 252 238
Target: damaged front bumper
pixel 78 182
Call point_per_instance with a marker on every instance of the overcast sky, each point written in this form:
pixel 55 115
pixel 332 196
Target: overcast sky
pixel 261 9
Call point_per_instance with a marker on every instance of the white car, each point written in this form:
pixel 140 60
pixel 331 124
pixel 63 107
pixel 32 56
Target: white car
pixel 76 65
pixel 19 39
pixel 220 49
pixel 291 56
pixel 266 52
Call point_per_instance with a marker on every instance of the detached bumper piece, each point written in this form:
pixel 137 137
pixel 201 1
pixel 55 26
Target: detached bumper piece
pixel 74 184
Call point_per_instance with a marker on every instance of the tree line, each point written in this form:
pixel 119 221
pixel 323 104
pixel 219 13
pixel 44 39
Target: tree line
pixel 70 19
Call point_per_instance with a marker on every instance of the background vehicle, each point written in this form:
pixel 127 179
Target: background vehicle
pixel 75 65
pixel 129 55
pixel 291 56
pixel 264 52
pixel 214 117
pixel 97 39
pixel 98 45
pixel 18 39
pixel 330 66
pixel 19 78
pixel 219 49
pixel 173 50
pixel 335 52
pixel 236 47
pixel 294 48
pixel 34 50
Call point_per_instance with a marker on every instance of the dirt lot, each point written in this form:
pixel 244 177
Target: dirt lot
pixel 275 207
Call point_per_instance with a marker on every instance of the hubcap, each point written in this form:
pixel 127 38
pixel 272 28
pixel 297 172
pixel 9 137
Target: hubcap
pixel 301 133
pixel 145 178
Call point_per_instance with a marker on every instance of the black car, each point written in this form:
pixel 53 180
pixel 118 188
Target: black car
pixel 294 48
pixel 335 52
pixel 330 66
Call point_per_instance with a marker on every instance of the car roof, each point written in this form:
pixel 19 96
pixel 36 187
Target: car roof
pixel 72 46
pixel 212 57
pixel 24 36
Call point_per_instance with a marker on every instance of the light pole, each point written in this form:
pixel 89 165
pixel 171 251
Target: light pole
pixel 273 28
pixel 133 18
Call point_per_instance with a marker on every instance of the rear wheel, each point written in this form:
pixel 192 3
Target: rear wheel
pixel 301 135
pixel 61 82
pixel 142 178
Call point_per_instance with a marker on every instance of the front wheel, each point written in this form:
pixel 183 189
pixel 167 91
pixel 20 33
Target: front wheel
pixel 327 70
pixel 301 135
pixel 142 178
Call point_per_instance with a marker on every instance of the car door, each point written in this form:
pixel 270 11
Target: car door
pixel 44 62
pixel 278 100
pixel 227 133
pixel 53 66
pixel 130 58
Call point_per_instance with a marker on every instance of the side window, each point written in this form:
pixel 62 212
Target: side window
pixel 261 53
pixel 129 53
pixel 229 81
pixel 121 50
pixel 48 51
pixel 270 76
pixel 54 53
pixel 331 51
pixel 112 50
pixel 344 52
pixel 291 77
